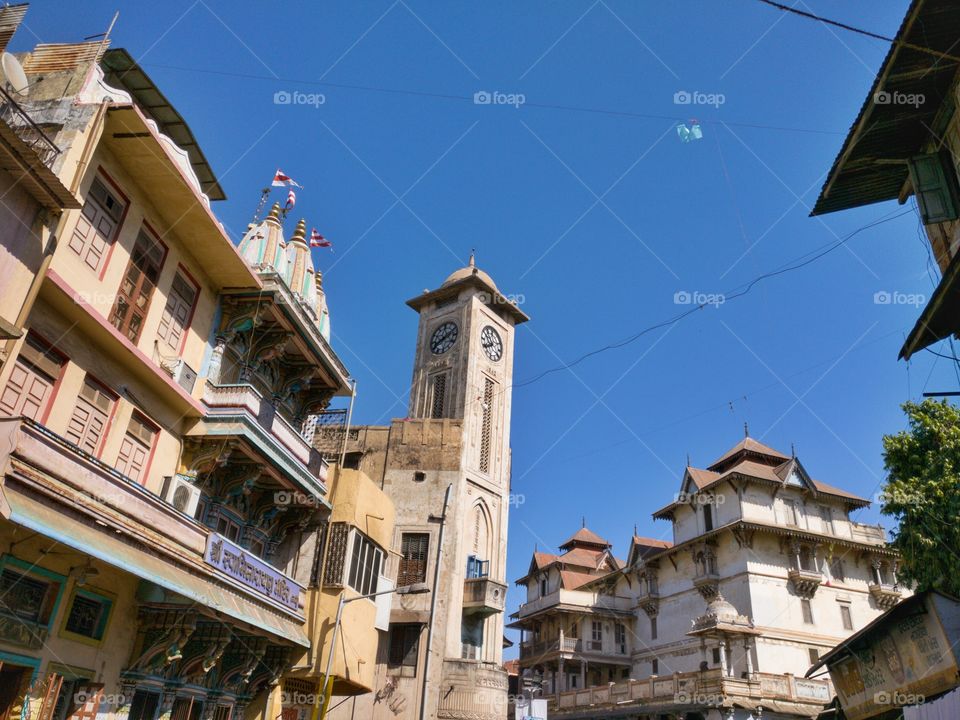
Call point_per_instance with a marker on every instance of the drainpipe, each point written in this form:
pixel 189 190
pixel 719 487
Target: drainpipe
pixel 433 602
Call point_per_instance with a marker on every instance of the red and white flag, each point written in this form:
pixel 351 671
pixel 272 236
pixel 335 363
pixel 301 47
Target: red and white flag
pixel 291 200
pixel 318 240
pixel 282 180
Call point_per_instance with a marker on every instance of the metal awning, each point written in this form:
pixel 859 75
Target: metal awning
pixel 111 548
pixel 941 317
pixel 901 113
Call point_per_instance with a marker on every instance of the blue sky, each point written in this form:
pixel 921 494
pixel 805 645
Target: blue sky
pixel 597 219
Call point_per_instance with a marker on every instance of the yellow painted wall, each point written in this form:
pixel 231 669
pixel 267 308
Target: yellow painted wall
pixel 358 501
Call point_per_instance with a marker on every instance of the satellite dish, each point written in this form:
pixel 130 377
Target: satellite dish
pixel 15 79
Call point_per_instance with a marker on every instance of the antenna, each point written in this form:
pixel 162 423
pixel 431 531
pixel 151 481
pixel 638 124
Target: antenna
pixel 14 78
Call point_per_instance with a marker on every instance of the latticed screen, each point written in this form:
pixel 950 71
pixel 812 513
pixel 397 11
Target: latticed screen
pixel 413 560
pixel 326 431
pixel 336 554
pixel 439 395
pixel 486 425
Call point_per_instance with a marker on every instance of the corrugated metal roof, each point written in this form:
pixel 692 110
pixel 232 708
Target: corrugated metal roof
pixel 866 170
pixel 941 316
pixel 123 72
pixel 10 18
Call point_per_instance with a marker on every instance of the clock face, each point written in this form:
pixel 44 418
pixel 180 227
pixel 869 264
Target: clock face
pixel 443 338
pixel 491 343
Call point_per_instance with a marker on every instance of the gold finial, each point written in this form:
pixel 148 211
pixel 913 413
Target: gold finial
pixel 300 233
pixel 275 211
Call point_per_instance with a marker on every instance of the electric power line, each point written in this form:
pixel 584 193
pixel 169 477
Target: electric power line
pixel 470 99
pixel 735 293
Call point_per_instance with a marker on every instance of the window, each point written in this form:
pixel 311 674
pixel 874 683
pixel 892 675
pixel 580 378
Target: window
pixel 97 225
pixel 934 182
pixel 257 547
pixel 137 286
pixel 846 617
pixel 836 569
pixel 653 628
pixel 135 448
pixel 814 654
pixel 574 630
pixel 89 419
pixel 30 385
pixel 574 679
pixel 625 674
pixel 707 518
pixel 716 656
pixel 27 597
pixel 471 637
pixel 413 558
pixel 88 615
pixel 477 568
pixel 228 528
pixel 543 587
pixel 826 518
pixel 144 705
pixel 365 562
pixel 654 667
pixel 793 513
pixel 176 315
pixel 620 638
pixel 596 630
pixel 807 611
pixel 438 401
pixel 486 425
pixel 403 649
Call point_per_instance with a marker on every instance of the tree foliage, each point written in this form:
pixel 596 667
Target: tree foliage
pixel 923 493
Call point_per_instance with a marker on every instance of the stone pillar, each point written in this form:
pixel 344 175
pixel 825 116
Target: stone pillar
pixel 875 564
pixel 748 651
pixel 724 670
pixel 583 674
pixel 562 679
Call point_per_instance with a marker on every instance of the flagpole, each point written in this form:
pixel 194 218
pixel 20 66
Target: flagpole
pixel 264 194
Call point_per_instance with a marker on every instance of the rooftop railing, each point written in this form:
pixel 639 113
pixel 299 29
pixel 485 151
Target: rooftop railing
pixel 26 129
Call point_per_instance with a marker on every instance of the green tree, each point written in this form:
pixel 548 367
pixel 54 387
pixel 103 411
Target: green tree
pixel 923 493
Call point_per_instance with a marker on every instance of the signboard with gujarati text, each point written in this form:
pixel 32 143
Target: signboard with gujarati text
pixel 246 568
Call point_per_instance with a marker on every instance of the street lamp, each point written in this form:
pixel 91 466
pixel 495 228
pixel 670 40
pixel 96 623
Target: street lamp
pixel 414 589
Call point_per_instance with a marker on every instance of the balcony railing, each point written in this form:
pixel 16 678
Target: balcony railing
pixel 665 690
pixel 483 596
pixel 27 130
pixel 805 582
pixel 227 399
pixel 569 645
pixel 885 595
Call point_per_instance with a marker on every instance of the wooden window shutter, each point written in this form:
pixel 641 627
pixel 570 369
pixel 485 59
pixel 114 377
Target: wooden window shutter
pixel 934 180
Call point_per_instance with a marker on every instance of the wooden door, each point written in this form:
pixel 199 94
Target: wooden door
pixel 97 225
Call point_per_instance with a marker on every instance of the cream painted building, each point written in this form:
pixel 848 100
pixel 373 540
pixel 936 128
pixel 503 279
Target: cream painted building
pixel 442 655
pixel 763 572
pixel 163 513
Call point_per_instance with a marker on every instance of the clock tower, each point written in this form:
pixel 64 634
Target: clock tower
pixel 446 467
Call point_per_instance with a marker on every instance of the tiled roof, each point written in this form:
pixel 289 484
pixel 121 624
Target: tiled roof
pixel 583 557
pixel 571 580
pixel 542 559
pixel 586 537
pixel 702 478
pixel 748 444
pixel 831 490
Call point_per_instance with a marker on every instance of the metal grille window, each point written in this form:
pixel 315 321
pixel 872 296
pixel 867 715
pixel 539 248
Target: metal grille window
pixel 404 647
pixel 88 615
pixel 486 425
pixel 336 554
pixel 438 401
pixel 365 560
pixel 413 558
pixel 26 597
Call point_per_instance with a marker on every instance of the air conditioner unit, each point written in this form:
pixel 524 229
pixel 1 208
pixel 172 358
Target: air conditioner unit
pixel 185 376
pixel 179 491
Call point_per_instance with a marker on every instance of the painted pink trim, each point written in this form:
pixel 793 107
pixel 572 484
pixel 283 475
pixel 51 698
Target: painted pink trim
pixel 75 297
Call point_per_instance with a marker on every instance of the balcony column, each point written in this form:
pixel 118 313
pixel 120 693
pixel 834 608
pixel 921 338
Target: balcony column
pixel 561 683
pixel 216 360
pixel 875 564
pixel 723 658
pixel 748 651
pixel 583 674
